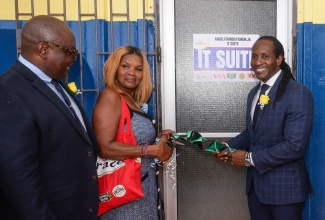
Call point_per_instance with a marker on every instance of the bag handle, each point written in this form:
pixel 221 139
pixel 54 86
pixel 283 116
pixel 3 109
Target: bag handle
pixel 125 117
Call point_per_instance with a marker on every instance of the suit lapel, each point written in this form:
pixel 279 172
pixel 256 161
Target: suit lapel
pixel 271 95
pixel 249 108
pixel 46 91
pixel 84 116
pixel 50 94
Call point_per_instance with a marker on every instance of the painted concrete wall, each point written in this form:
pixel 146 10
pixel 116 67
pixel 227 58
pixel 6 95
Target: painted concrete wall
pixel 112 32
pixel 311 72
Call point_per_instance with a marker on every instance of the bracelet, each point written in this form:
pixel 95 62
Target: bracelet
pixel 141 154
pixel 146 150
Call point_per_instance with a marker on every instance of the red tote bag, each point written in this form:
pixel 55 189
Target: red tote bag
pixel 119 181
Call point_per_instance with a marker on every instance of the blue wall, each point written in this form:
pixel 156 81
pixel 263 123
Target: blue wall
pixel 91 74
pixel 311 72
pixel 8 51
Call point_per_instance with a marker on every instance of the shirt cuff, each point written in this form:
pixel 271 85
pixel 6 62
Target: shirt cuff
pixel 250 156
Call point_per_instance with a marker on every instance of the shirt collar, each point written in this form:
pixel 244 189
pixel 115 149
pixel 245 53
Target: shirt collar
pixel 34 69
pixel 272 80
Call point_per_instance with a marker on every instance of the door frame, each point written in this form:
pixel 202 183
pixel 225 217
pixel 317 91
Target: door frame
pixel 284 33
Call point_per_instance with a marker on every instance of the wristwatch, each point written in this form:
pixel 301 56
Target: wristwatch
pixel 248 161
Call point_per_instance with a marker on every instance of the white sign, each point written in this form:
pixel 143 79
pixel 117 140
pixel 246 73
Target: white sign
pixel 223 57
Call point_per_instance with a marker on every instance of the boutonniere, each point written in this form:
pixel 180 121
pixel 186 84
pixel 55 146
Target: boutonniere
pixel 73 88
pixel 264 100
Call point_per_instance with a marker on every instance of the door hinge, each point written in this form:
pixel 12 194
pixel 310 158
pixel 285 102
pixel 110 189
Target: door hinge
pixel 158 54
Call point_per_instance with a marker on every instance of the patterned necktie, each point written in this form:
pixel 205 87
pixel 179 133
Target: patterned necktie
pixel 68 103
pixel 257 107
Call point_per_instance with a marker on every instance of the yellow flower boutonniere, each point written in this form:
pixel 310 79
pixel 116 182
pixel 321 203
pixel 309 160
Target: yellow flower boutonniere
pixel 264 100
pixel 73 88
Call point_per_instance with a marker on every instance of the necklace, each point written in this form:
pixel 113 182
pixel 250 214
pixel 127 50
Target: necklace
pixel 132 99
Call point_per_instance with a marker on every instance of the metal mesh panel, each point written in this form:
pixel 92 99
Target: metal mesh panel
pixel 213 107
pixel 206 187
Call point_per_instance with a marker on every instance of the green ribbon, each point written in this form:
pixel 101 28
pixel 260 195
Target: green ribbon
pixel 196 138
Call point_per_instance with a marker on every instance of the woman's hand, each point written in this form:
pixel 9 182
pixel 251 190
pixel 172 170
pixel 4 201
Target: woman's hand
pixel 164 152
pixel 165 133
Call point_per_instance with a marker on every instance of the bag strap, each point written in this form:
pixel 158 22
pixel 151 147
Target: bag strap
pixel 125 116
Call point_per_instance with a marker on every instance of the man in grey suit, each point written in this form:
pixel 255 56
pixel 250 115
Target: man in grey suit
pixel 272 147
pixel 48 150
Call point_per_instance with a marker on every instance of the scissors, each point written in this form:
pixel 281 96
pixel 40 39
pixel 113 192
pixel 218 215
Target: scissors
pixel 172 141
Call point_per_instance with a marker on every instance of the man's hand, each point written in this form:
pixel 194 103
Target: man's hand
pixel 237 158
pixel 223 155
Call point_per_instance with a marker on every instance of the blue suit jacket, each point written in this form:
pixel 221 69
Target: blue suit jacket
pixel 47 164
pixel 278 144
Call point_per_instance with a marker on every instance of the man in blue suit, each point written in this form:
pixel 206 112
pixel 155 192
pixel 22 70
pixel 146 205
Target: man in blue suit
pixel 47 148
pixel 277 133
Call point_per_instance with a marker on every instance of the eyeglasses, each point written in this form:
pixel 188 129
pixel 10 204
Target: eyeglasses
pixel 72 52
